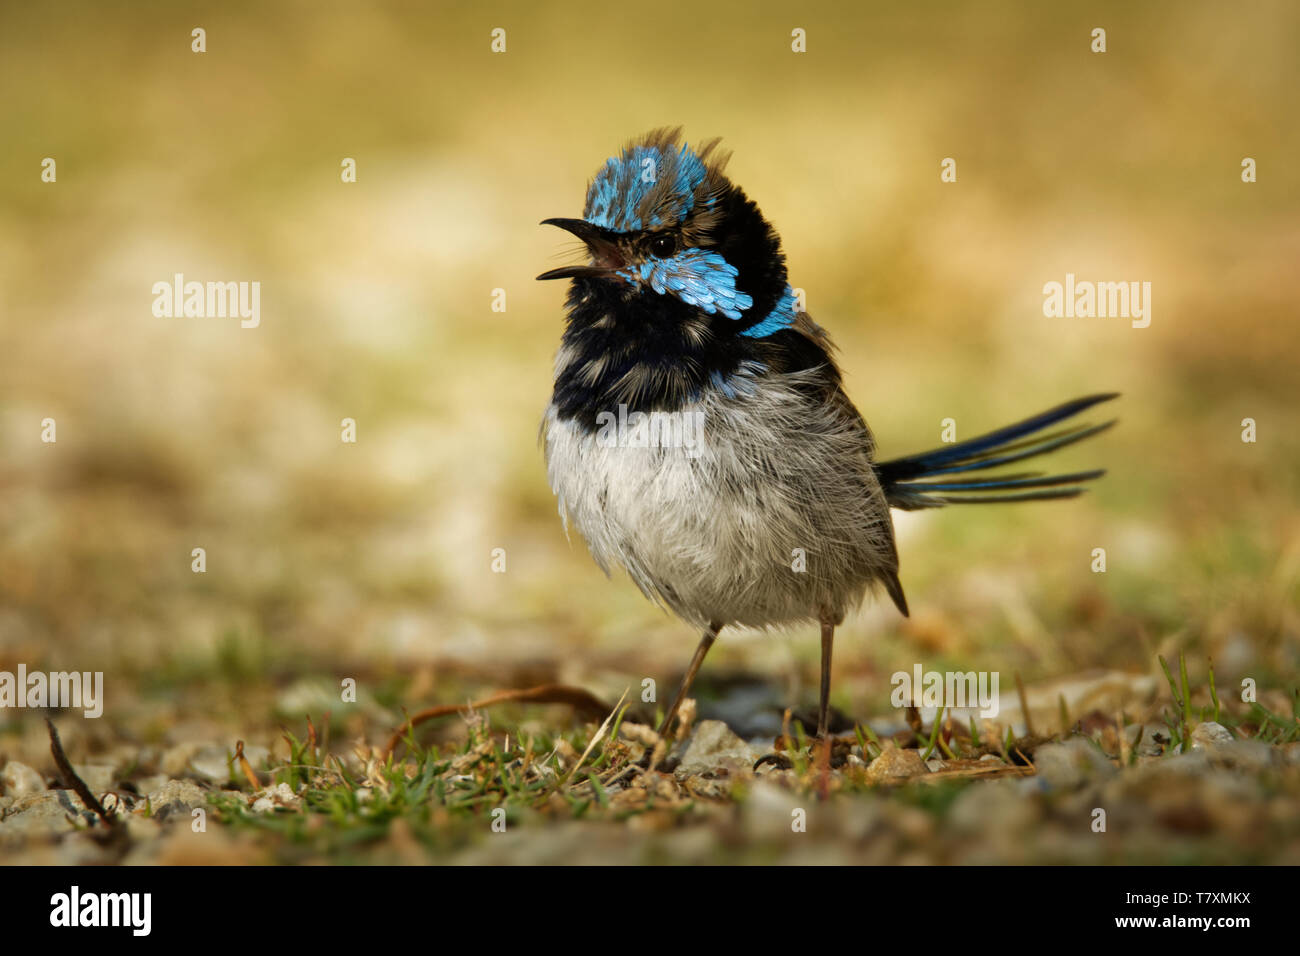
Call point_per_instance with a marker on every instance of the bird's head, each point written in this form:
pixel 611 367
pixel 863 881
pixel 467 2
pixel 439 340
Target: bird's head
pixel 662 222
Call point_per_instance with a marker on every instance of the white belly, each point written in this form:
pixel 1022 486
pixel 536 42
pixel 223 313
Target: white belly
pixel 774 516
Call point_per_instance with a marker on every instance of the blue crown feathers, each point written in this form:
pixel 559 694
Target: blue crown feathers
pixel 654 183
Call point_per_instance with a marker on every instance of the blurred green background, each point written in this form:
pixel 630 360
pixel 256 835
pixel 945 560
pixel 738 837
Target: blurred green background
pixel 374 559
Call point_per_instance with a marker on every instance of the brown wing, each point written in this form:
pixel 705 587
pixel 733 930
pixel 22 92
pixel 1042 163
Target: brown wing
pixel 807 345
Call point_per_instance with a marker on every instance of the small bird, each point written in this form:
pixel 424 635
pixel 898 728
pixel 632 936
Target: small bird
pixel 699 436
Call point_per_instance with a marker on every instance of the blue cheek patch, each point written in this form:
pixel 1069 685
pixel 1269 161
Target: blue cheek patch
pixel 702 279
pixel 708 282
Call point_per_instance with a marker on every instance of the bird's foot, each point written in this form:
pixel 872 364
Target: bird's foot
pixel 839 754
pixel 776 759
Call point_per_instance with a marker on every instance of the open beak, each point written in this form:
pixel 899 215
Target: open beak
pixel 600 243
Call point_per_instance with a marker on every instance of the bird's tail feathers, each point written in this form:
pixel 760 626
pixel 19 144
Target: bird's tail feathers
pixel 909 482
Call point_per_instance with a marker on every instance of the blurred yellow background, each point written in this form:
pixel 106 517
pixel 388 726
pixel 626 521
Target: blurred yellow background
pixel 375 558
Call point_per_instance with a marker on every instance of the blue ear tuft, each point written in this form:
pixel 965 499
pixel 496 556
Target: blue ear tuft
pixel 781 317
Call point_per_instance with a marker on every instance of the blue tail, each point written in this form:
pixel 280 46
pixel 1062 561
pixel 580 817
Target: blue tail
pixel 906 480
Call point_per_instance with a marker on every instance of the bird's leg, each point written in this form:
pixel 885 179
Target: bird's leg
pixel 706 642
pixel 823 712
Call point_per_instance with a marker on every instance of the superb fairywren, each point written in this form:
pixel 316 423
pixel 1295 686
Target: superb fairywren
pixel 698 434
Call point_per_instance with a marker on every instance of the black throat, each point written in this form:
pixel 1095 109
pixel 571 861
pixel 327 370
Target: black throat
pixel 653 352
pixel 646 351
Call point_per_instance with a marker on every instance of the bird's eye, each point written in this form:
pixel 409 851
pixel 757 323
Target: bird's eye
pixel 663 245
